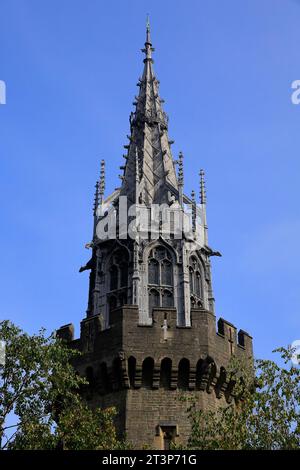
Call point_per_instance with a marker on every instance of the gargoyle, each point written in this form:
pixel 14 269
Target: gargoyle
pixel 89 265
pixel 209 252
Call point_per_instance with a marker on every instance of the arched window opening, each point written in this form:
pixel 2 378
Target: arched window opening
pixel 160 253
pixel 183 374
pixel 117 374
pixel 160 275
pixel 114 277
pixel 118 277
pixel 104 378
pixel 147 372
pixel 199 373
pixel 198 284
pixel 196 288
pixel 153 272
pixel 167 299
pixel 153 299
pixel 165 373
pixel 131 370
pixel 124 275
pixel 166 273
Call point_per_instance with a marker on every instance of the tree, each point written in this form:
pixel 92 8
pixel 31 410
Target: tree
pixel 78 428
pixel 266 416
pixel 39 386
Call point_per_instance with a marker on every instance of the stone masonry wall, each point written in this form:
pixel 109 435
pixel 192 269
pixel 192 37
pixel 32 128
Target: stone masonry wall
pixel 144 370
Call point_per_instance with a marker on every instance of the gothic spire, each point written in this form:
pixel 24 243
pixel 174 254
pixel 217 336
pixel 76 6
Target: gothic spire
pixel 149 135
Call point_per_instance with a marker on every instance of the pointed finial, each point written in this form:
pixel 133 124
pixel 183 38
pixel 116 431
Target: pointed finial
pixel 137 169
pixel 148 44
pixel 148 38
pixel 193 197
pixel 102 181
pixel 180 169
pixel 137 176
pixel 202 188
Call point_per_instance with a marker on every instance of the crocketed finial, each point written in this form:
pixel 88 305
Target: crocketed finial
pixel 202 188
pixel 137 165
pixel 194 210
pixel 96 199
pixel 180 169
pixel 102 181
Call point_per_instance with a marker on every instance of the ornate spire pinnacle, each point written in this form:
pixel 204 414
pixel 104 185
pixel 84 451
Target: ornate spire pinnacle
pixel 202 188
pixel 96 199
pixel 180 169
pixel 148 44
pixel 148 38
pixel 149 133
pixel 137 176
pixel 194 209
pixel 102 181
pixel 203 206
pixel 180 178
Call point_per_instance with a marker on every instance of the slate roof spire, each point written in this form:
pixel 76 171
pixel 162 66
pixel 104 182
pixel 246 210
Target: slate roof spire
pixel 149 138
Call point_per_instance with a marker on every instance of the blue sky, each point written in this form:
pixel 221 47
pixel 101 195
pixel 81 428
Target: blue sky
pixel 226 70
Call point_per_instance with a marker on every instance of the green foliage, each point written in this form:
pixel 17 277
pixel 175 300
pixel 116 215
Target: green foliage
pixel 40 387
pixel 266 416
pixel 78 428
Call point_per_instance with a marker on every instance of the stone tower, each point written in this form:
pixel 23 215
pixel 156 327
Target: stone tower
pixel 150 333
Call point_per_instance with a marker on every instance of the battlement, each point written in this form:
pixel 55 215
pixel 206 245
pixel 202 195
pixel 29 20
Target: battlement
pixel 200 352
pixel 164 327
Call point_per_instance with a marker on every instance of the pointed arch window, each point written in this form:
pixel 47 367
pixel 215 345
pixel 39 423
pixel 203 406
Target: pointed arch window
pixel 153 271
pixel 198 286
pixel 124 274
pixel 196 282
pixel 167 299
pixel 166 273
pixel 153 299
pixel 112 303
pixel 114 277
pixel 160 278
pixel 118 279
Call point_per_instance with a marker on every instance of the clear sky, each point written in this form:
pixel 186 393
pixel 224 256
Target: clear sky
pixel 226 69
